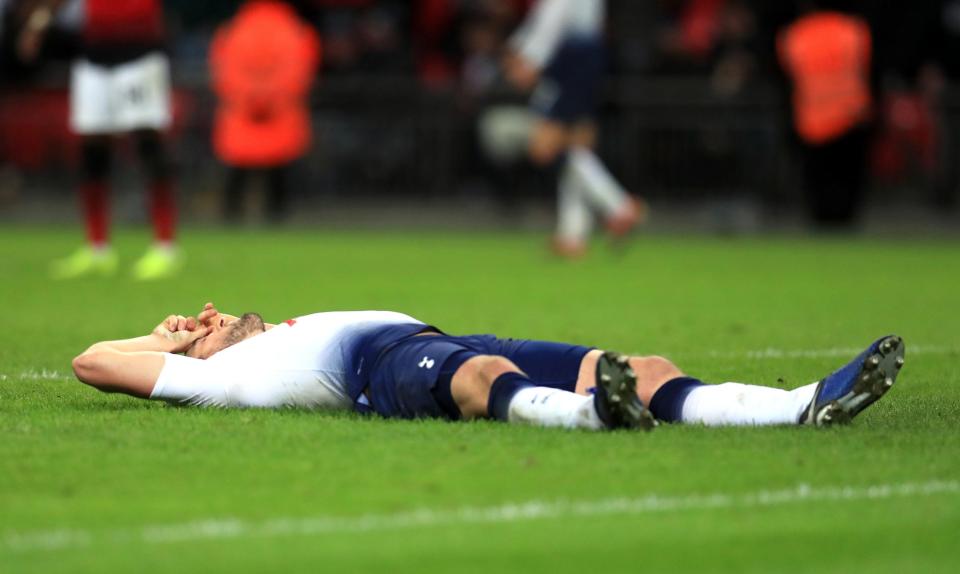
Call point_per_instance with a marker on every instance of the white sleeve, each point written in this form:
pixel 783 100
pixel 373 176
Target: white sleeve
pixel 537 40
pixel 189 381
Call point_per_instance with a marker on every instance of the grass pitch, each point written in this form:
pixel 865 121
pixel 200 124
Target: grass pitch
pixel 94 483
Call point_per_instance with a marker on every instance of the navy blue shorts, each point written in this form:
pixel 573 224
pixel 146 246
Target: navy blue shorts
pixel 404 381
pixel 569 87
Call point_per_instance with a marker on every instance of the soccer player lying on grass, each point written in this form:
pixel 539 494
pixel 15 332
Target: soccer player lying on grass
pixel 397 366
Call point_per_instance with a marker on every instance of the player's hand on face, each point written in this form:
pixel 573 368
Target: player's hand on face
pixel 181 331
pixel 175 323
pixel 209 315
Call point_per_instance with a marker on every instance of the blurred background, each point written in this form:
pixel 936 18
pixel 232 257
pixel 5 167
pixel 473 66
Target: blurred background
pixel 410 120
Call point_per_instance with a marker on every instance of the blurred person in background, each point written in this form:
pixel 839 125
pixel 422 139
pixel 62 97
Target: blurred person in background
pixel 120 84
pixel 827 57
pixel 365 37
pixel 263 63
pixel 913 54
pixel 735 60
pixel 558 53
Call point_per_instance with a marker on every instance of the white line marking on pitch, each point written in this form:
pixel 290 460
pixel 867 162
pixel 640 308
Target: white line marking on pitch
pixel 831 352
pixel 768 353
pixel 238 528
pixel 35 375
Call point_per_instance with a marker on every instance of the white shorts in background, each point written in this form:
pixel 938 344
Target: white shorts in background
pixel 121 98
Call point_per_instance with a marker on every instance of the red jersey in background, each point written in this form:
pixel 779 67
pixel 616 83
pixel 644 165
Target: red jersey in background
pixel 122 29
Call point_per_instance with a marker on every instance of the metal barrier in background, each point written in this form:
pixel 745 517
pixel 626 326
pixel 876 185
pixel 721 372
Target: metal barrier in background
pixel 667 139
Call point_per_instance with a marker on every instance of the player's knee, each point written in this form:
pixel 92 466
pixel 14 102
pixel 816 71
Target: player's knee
pixel 472 383
pixel 483 370
pixel 95 158
pixel 653 371
pixel 547 145
pixel 584 135
pixel 543 156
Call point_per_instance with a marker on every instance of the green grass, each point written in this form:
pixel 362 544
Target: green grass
pixel 106 466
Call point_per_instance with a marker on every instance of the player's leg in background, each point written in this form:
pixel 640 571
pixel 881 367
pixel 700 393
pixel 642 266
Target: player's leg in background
pixel 574 217
pixel 567 99
pixel 97 257
pixel 91 119
pixel 95 160
pixel 620 210
pixel 547 149
pixel 159 175
pixel 162 259
pixel 584 185
pixel 142 106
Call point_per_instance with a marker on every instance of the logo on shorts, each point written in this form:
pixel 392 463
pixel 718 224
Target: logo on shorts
pixel 426 363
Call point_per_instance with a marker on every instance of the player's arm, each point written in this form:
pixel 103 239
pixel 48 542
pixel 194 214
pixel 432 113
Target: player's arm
pixel 39 19
pixel 132 366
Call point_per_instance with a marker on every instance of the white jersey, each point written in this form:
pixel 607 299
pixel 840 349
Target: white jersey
pixel 314 361
pixel 551 22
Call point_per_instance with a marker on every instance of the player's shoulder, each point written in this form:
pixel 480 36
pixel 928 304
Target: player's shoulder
pixel 347 317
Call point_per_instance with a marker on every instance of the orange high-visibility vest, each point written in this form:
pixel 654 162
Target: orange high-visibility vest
pixel 827 55
pixel 263 63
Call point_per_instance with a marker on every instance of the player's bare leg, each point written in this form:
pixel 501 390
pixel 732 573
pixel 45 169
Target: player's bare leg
pixel 548 142
pixel 585 186
pixel 621 211
pixel 471 383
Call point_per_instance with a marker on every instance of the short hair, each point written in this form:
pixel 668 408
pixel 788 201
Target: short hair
pixel 248 324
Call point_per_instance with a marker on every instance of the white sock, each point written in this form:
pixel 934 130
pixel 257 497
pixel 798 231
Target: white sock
pixel 547 407
pixel 739 404
pixel 574 220
pixel 603 191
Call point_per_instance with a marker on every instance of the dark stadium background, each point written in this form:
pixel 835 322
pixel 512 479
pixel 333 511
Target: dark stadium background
pixel 697 125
